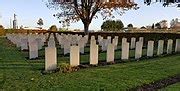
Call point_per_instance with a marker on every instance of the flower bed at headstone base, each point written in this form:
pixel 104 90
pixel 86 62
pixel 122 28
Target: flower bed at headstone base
pixel 62 68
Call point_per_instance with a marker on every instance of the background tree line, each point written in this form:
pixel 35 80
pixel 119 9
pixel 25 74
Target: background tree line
pixel 112 25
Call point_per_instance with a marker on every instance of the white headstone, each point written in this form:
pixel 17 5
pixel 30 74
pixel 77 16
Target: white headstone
pixel 93 53
pixel 124 40
pixel 67 47
pixel 109 39
pixel 33 49
pixel 125 51
pixel 138 50
pixel 74 56
pixel 43 39
pixel 160 47
pixel 150 48
pixel 177 49
pixel 104 45
pixel 24 44
pixel 18 42
pixel 141 39
pixel 116 37
pixel 115 42
pixel 81 44
pixel 169 46
pixel 92 37
pixel 60 38
pixel 110 53
pixel 74 40
pixel 86 39
pixel 133 43
pixel 99 38
pixel 51 42
pixel 51 36
pixel 40 43
pixel 50 58
pixel 92 42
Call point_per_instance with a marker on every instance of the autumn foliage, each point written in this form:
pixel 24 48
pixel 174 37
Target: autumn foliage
pixel 86 10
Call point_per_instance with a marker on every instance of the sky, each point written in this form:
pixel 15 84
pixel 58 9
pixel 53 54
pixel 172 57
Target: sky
pixel 29 11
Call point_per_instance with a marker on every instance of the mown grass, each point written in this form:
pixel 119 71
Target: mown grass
pixel 17 73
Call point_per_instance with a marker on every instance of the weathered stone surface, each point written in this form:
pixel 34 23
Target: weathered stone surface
pixel 125 51
pixel 33 50
pixel 160 47
pixel 93 53
pixel 24 44
pixel 50 58
pixel 74 56
pixel 150 48
pixel 169 46
pixel 138 50
pixel 110 53
pixel 133 43
pixel 115 42
pixel 177 49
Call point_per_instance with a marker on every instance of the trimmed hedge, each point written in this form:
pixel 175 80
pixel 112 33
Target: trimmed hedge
pixel 2 32
pixel 24 31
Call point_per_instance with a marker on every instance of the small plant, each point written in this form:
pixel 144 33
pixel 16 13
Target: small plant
pixel 109 63
pixel 66 68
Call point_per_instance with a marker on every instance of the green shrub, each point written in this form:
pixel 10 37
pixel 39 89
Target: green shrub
pixel 53 28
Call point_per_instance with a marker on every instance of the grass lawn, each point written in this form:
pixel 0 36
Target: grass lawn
pixel 174 87
pixel 16 72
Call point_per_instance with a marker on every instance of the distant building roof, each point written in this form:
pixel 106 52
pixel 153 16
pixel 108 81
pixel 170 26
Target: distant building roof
pixel 175 23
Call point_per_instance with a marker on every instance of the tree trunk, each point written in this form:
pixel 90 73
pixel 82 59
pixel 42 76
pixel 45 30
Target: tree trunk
pixel 86 28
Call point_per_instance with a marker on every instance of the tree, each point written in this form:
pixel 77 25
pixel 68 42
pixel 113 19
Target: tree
pixel 130 25
pixel 143 27
pixel 86 10
pixel 158 26
pixel 152 26
pixel 53 28
pixel 112 25
pixel 119 25
pixel 21 27
pixel 40 22
pixel 164 2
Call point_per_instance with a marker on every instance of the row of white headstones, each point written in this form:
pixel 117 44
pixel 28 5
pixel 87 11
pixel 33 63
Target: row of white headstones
pixel 51 52
pixel 35 42
pixel 75 44
pixel 31 42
